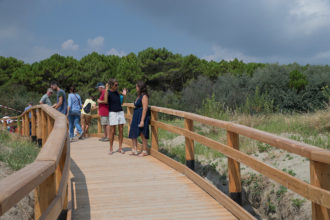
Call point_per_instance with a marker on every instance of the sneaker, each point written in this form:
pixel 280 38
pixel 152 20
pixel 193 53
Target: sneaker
pixel 106 139
pixel 102 139
pixel 71 139
pixel 81 135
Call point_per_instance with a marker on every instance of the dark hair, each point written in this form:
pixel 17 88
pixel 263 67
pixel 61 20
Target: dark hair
pixel 53 83
pixel 72 89
pixel 112 82
pixel 142 88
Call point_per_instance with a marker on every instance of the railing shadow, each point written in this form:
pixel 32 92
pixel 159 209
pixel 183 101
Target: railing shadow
pixel 217 179
pixel 80 196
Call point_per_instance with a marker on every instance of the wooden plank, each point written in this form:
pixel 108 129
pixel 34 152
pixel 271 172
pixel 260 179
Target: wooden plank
pixel 14 187
pixel 302 149
pixel 112 186
pixel 44 130
pixel 189 145
pixel 234 172
pixel 50 124
pixel 315 194
pixel 58 203
pixel 223 199
pixel 154 132
pixel 320 177
pixel 33 123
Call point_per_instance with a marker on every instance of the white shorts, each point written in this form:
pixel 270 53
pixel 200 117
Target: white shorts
pixel 117 118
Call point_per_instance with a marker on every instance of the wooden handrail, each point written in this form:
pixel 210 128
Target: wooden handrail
pixel 318 191
pixel 48 174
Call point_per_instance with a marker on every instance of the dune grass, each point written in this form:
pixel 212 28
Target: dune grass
pixel 15 151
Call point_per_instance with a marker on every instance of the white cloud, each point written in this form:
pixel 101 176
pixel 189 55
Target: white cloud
pixel 69 45
pixel 96 43
pixel 114 51
pixel 308 16
pixel 220 53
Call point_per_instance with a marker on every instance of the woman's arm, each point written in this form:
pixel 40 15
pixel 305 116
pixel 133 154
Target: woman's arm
pixel 145 103
pixel 106 94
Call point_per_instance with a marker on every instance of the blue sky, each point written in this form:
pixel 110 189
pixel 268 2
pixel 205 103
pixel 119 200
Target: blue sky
pixel 254 31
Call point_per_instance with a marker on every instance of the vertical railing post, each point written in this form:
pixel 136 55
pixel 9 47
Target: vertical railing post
pixel 189 149
pixel 130 111
pixel 19 126
pixel 44 194
pixel 234 173
pixel 50 124
pixel 44 129
pixel 27 124
pixel 99 126
pixel 320 177
pixel 5 124
pixel 23 125
pixel 39 130
pixel 154 132
pixel 33 125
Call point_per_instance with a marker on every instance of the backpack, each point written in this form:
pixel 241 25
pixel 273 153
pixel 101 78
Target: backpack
pixel 87 108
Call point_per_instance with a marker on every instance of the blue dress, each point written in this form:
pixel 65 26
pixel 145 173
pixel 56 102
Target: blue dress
pixel 135 131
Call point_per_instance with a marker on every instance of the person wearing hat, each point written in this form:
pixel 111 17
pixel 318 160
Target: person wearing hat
pixel 103 112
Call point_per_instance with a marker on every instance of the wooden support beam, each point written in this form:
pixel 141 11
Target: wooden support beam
pixel 234 173
pixel 39 127
pixel 50 124
pixel 320 177
pixel 44 129
pixel 99 126
pixel 33 125
pixel 190 158
pixel 43 195
pixel 27 125
pixel 5 124
pixel 154 132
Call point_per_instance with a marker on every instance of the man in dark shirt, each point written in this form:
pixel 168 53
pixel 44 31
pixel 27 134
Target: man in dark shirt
pixel 116 113
pixel 61 104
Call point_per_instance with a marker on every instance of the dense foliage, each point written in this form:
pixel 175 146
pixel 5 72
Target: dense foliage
pixel 181 82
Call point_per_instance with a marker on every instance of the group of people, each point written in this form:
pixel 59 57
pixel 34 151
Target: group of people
pixel 110 111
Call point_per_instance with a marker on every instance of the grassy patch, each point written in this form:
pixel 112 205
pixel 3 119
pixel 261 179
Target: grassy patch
pixel 15 151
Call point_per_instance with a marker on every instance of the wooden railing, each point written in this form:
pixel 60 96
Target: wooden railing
pixel 317 191
pixel 48 174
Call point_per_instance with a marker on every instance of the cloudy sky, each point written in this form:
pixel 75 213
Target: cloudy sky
pixel 282 31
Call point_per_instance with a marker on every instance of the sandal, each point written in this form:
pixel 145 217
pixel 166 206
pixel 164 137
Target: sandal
pixel 111 152
pixel 143 153
pixel 134 153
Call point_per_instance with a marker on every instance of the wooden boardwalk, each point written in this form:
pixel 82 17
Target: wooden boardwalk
pixel 127 187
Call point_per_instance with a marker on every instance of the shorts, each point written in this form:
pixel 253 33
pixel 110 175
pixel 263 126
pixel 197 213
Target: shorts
pixel 104 120
pixel 117 118
pixel 86 119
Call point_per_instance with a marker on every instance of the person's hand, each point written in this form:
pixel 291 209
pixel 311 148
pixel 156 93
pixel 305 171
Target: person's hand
pixel 99 100
pixel 107 86
pixel 124 92
pixel 54 106
pixel 141 125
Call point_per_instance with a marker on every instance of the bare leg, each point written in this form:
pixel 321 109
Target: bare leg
pixel 105 131
pixel 108 131
pixel 86 130
pixel 144 146
pixel 121 136
pixel 112 134
pixel 134 146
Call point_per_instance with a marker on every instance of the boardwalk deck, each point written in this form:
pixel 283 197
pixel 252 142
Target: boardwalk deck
pixel 127 187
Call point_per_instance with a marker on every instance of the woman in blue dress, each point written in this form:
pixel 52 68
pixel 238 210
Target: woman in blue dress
pixel 140 120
